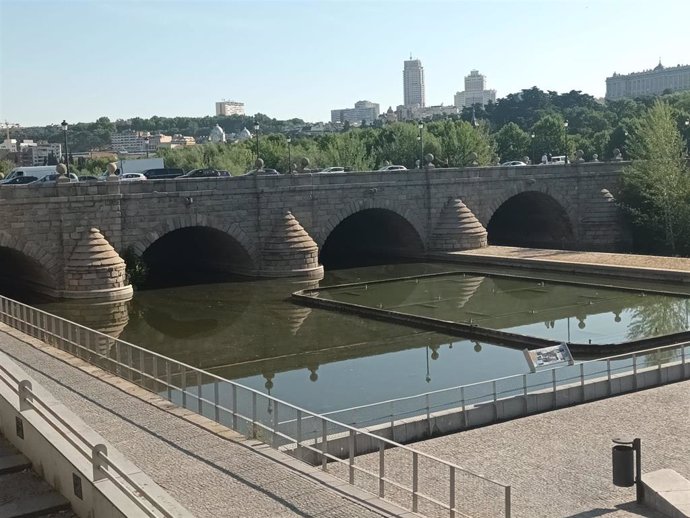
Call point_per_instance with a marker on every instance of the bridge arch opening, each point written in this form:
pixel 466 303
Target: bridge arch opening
pixel 370 237
pixel 23 278
pixel 195 255
pixel 530 219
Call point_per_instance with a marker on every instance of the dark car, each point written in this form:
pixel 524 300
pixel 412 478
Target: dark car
pixel 88 178
pixel 162 173
pixel 202 173
pixel 20 180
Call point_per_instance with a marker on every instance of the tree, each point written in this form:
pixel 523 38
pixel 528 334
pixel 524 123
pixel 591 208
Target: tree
pixel 512 143
pixel 549 135
pixel 656 187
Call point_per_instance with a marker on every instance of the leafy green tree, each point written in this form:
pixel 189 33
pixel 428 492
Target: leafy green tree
pixel 512 143
pixel 656 187
pixel 549 135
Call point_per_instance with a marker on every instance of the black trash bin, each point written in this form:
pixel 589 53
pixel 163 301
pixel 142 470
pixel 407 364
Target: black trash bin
pixel 623 466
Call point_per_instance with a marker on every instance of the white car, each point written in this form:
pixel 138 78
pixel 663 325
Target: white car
pixel 393 168
pixel 513 163
pixel 334 170
pixel 132 177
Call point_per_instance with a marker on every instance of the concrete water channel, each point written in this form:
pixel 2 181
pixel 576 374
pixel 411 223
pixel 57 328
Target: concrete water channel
pixel 330 361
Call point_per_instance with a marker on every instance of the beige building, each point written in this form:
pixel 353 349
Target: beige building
pixel 413 83
pixel 649 82
pixel 227 108
pixel 475 91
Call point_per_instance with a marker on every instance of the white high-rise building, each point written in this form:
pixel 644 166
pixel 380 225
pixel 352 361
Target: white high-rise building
pixel 228 108
pixel 363 111
pixel 475 91
pixel 413 83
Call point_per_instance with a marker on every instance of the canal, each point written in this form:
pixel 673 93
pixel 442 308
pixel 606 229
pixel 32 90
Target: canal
pixel 251 332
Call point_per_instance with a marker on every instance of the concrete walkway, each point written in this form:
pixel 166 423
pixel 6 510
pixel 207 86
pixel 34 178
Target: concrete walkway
pixel 209 469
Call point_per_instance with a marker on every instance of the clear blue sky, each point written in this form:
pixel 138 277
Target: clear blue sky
pixel 79 60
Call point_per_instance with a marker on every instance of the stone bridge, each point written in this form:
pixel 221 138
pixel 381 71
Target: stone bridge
pixel 69 240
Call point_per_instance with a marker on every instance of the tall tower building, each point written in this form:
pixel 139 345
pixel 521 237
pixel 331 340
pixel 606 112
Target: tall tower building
pixel 413 82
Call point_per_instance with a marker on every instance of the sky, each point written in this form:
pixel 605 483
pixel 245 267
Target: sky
pixel 82 59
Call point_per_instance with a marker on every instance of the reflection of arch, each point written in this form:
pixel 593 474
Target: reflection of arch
pixel 339 216
pixel 195 220
pixel 532 219
pixel 27 264
pixel 371 236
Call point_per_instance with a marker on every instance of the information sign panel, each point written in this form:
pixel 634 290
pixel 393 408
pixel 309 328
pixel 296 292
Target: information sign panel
pixel 548 356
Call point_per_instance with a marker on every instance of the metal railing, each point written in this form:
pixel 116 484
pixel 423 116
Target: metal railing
pixel 96 454
pixel 411 479
pixel 548 380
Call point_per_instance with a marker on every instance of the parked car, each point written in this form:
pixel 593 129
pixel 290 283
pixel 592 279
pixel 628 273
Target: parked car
pixel 162 173
pixel 89 178
pixel 393 168
pixel 557 160
pixel 132 177
pixel 513 163
pixel 335 169
pixel 262 172
pixel 52 178
pixel 202 173
pixel 19 180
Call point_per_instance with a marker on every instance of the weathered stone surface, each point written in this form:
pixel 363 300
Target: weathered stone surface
pixel 457 229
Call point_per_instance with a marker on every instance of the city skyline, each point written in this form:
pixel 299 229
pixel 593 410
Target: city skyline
pixel 208 51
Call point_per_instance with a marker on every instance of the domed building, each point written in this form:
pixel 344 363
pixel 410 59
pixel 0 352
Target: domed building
pixel 217 135
pixel 244 134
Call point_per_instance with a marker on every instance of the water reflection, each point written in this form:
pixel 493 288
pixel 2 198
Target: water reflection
pixel 323 360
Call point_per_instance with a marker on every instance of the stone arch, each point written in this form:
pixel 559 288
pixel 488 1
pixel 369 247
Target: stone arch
pixel 531 218
pixel 171 224
pixel 496 201
pixel 49 276
pixel 339 216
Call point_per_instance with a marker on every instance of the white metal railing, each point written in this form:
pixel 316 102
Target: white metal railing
pixel 411 479
pixel 551 380
pixel 96 454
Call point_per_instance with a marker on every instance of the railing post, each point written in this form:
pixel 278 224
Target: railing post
pixel 156 374
pixel 254 415
pixel 582 380
pixel 324 443
pixel 98 464
pixel 382 468
pixel 428 414
pixel 553 386
pixel 216 401
pixel 183 385
pixel 199 395
pixel 415 481
pixel 298 446
pixel 25 396
pixel 634 359
pixel 234 407
pixel 168 379
pixel 451 500
pixel 508 505
pixel 608 376
pixel 351 446
pixel 464 412
pixel 524 391
pixel 275 424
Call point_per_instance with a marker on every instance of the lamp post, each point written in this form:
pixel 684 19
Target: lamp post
pixel 687 138
pixel 146 143
pixel 625 142
pixel 533 157
pixel 289 142
pixel 428 374
pixel 565 125
pixel 256 130
pixel 421 144
pixel 64 129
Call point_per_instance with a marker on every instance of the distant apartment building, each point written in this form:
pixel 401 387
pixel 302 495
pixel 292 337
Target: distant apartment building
pixel 406 113
pixel 128 141
pixel 30 153
pixel 227 108
pixel 648 82
pixel 363 111
pixel 475 91
pixel 9 145
pixel 413 83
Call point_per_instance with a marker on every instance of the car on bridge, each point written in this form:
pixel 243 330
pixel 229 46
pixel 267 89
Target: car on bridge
pixel 336 169
pixel 393 168
pixel 262 172
pixel 202 173
pixel 20 180
pixel 132 177
pixel 52 178
pixel 162 173
pixel 513 163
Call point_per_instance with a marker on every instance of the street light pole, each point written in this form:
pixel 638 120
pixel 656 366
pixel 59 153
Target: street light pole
pixel 256 130
pixel 64 129
pixel 289 141
pixel 687 138
pixel 565 125
pixel 146 142
pixel 533 157
pixel 421 144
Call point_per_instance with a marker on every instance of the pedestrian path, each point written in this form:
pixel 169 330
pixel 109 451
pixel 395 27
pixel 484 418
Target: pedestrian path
pixel 210 470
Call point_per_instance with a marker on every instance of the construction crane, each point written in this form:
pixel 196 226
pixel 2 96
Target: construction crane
pixel 7 125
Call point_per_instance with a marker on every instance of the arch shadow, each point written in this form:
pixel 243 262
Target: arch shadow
pixel 27 273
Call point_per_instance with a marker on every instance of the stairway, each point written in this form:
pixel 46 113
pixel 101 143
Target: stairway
pixel 22 492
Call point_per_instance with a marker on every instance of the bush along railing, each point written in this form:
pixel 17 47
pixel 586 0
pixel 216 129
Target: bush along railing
pixel 411 479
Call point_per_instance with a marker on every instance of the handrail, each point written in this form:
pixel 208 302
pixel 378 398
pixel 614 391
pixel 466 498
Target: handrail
pixel 30 399
pixel 504 378
pixel 42 332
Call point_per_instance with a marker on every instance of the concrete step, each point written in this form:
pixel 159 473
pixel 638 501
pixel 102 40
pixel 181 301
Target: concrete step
pixel 13 463
pixel 38 505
